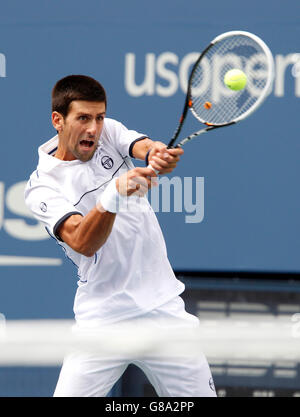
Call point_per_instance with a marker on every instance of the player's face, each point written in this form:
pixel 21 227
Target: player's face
pixel 80 130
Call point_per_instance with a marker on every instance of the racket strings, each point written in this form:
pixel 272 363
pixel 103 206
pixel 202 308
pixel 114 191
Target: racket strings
pixel 213 102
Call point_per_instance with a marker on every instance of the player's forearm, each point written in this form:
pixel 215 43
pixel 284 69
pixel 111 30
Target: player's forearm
pixel 87 234
pixel 141 148
pixel 95 230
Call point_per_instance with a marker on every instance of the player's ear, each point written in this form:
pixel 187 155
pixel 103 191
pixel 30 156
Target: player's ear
pixel 57 121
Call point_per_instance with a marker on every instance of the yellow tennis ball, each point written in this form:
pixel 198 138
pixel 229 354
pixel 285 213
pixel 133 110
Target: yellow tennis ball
pixel 235 79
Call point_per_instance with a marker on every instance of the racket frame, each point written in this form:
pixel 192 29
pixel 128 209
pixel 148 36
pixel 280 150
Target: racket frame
pixel 188 101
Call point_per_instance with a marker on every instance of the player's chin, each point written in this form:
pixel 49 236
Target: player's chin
pixel 85 156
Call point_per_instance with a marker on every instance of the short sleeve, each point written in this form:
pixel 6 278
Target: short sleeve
pixel 122 138
pixel 48 205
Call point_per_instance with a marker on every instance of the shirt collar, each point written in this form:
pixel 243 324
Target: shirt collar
pixel 47 161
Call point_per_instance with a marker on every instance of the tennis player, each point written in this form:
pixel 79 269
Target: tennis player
pixel 91 200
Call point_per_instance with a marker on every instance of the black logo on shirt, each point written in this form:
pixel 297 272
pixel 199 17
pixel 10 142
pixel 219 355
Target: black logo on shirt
pixel 107 162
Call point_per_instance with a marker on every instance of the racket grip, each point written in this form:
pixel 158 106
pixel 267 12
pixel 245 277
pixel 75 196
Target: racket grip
pixel 173 147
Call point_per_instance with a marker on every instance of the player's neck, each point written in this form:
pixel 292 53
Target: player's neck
pixel 63 153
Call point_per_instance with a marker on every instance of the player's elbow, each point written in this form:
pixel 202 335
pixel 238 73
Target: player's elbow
pixel 85 250
pixel 88 253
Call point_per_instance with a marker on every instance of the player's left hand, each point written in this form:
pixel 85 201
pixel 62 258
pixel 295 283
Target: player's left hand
pixel 162 159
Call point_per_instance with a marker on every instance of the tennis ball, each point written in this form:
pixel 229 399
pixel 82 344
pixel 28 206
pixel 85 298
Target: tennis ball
pixel 235 79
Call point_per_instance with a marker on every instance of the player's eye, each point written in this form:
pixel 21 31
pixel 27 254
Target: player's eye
pixel 82 117
pixel 100 118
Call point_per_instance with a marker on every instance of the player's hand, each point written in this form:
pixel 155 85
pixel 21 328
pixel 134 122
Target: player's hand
pixel 162 159
pixel 137 181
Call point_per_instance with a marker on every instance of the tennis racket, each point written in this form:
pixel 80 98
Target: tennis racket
pixel 209 99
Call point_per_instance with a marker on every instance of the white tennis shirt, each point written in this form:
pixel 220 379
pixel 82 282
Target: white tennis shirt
pixel 130 274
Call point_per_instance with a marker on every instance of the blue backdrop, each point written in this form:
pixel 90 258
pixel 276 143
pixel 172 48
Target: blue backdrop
pixel 139 50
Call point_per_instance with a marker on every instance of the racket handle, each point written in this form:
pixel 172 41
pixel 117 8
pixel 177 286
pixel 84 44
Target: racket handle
pixel 150 166
pixel 173 147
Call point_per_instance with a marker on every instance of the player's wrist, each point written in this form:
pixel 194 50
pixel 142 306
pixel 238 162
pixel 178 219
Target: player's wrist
pixel 111 200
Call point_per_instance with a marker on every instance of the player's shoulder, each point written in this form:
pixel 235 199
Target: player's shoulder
pixel 113 131
pixel 38 181
pixel 112 125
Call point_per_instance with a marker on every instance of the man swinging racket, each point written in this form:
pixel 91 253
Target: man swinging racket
pixel 84 191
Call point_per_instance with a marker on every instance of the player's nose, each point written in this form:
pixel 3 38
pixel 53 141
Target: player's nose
pixel 92 128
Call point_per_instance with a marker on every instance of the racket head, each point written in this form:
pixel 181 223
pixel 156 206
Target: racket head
pixel 209 99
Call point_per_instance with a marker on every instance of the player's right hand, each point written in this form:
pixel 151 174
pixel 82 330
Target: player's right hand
pixel 137 181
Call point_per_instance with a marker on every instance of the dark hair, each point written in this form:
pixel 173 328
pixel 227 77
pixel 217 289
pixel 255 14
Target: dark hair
pixel 76 87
